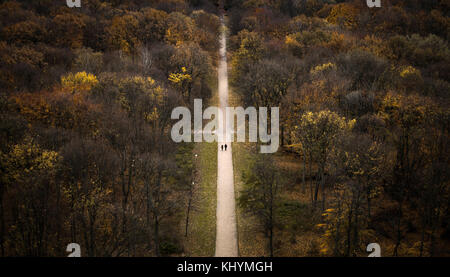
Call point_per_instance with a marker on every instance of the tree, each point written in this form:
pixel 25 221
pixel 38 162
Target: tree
pixel 267 81
pixel 192 71
pixel 260 194
pixel 180 29
pixel 433 193
pixel 29 31
pixel 30 173
pixel 88 61
pixel 317 133
pixel 208 29
pixel 153 26
pixel 300 43
pixel 80 81
pixel 362 68
pixel 356 166
pixel 21 67
pixel 89 172
pixel 345 14
pixel 123 33
pixel 405 118
pixel 67 30
pixel 251 50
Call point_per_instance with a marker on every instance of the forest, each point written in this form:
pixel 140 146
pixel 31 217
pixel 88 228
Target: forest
pixel 86 96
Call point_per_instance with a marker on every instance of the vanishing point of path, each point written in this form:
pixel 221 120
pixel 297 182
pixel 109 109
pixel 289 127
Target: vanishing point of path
pixel 226 226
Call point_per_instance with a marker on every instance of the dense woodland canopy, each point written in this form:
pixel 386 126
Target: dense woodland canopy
pixel 364 101
pixel 86 96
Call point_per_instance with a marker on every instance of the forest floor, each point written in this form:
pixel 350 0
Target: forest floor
pixel 296 234
pixel 202 226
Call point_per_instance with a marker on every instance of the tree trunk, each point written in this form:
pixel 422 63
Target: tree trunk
pixel 2 222
pixel 316 194
pixel 271 220
pixel 148 206
pixel 349 230
pixel 324 198
pixel 304 173
pixel 188 210
pixel 310 180
pixel 422 237
pixel 399 233
pixel 156 235
pixel 271 242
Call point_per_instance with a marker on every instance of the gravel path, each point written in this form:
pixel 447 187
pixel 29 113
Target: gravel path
pixel 226 232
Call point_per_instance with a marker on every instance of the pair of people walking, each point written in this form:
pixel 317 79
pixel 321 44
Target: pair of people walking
pixel 223 146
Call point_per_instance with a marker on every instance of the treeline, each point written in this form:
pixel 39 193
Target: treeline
pixel 86 98
pixel 364 102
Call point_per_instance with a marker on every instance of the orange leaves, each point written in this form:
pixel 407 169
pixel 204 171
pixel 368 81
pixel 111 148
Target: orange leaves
pixel 34 107
pixel 67 30
pixel 123 33
pixel 56 109
pixel 28 31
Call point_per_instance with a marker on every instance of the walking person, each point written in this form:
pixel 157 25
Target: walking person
pixel 221 147
pixel 225 147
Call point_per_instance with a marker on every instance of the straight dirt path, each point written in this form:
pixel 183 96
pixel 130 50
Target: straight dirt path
pixel 226 227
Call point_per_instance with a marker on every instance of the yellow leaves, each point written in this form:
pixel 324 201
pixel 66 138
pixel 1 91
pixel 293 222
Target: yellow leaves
pixel 323 68
pixel 141 96
pixel 374 45
pixel 407 111
pixel 80 81
pixel 339 42
pixel 291 41
pixel 326 213
pixel 250 50
pixel 28 157
pixel 391 101
pixel 351 124
pixel 180 78
pixel 359 172
pixel 323 249
pixel 325 119
pixel 300 41
pixel 47 160
pixel 143 82
pixel 154 115
pixel 344 13
pixel 410 72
